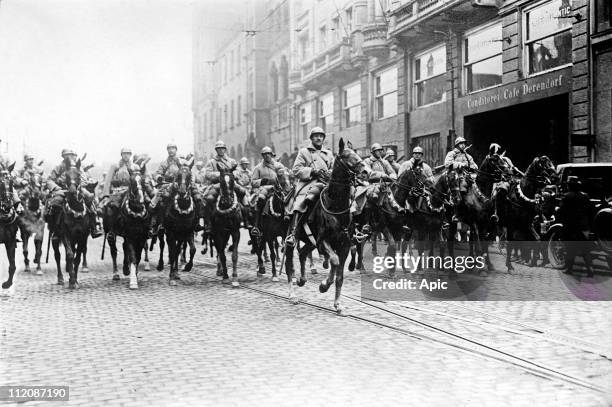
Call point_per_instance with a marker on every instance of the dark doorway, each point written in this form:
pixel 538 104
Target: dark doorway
pixel 524 131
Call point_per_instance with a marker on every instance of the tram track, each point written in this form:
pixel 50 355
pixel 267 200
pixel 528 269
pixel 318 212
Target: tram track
pixel 444 337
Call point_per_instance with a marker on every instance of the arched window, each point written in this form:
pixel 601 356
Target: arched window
pixel 273 83
pixel 284 78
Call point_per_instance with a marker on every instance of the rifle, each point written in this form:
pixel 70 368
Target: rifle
pixel 48 247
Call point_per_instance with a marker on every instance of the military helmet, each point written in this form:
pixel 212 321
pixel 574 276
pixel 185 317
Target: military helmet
pixel 68 151
pixel 244 160
pixel 317 130
pixel 376 147
pixel 417 149
pixel 126 150
pixel 459 140
pixel 171 145
pixel 390 152
pixel 27 157
pixel 220 144
pixel 494 148
pixel 267 150
pixel 199 162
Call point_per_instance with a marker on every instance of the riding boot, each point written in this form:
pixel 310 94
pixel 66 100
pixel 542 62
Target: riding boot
pixel 246 219
pixel 258 211
pixel 94 226
pixel 290 240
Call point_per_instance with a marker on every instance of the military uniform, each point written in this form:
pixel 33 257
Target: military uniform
pixel 23 178
pixel 457 158
pixel 199 177
pixel 308 161
pixel 424 168
pixel 265 176
pixel 244 177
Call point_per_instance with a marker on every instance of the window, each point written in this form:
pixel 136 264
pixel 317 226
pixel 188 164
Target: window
pixel 483 58
pixel 322 38
pixel 349 19
pixel 304 46
pixel 239 111
pixel 351 105
pixel 305 119
pixel 603 15
pixel 432 152
pixel 429 76
pixel 336 29
pixel 386 93
pixel 232 115
pixel 326 111
pixel 548 39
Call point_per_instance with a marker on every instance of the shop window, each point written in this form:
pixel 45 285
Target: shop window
pixel 430 78
pixel 305 120
pixel 386 93
pixel 351 105
pixel 326 111
pixel 483 57
pixel 548 36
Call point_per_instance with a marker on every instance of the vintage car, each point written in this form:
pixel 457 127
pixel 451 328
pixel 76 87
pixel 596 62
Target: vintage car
pixel 596 181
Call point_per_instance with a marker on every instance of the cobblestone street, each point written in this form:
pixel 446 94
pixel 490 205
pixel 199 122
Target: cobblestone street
pixel 205 343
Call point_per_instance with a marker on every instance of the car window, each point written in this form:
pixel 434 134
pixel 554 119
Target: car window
pixel 596 181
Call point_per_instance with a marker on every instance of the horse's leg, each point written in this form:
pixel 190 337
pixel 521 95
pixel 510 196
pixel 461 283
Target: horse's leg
pixel 10 253
pixel 183 252
pixel 173 253
pixel 303 253
pixel 510 245
pixel 235 241
pixel 265 254
pixel 38 244
pixel 192 250
pixel 270 243
pixel 390 248
pixel 25 237
pixel 112 240
pixel 290 273
pixel 69 262
pixel 326 248
pixel 339 281
pixel 147 266
pixel 259 244
pixel 353 253
pixel 85 269
pixel 360 265
pixel 79 248
pixel 126 258
pixel 374 238
pixel 160 263
pixel 55 241
pixel 129 252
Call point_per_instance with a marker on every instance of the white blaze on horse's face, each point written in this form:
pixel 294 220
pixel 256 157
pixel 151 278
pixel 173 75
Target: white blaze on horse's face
pixel 137 179
pixel 227 179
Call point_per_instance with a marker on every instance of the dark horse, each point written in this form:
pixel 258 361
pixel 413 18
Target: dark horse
pixel 32 222
pixel 72 228
pixel 329 220
pixel 131 223
pixel 226 218
pixel 429 202
pixel 8 220
pixel 274 225
pixel 520 207
pixel 179 221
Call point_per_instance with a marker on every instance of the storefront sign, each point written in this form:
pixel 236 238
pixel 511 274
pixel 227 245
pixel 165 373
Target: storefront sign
pixel 530 89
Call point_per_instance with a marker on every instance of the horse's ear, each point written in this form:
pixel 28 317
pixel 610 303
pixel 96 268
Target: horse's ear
pixel 41 162
pixel 11 167
pixel 78 164
pixel 84 157
pixel 341 145
pixel 503 154
pixel 191 162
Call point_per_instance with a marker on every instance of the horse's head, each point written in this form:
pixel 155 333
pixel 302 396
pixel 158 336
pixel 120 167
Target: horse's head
pixel 73 179
pixel 456 183
pixel 542 171
pixel 6 189
pixel 183 179
pixel 349 160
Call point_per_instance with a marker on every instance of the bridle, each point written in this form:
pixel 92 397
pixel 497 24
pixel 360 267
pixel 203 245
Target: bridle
pixel 349 179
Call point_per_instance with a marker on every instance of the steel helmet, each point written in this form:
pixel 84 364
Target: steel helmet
pixel 317 130
pixel 390 152
pixel 126 150
pixel 220 144
pixel 171 145
pixel 244 160
pixel 494 148
pixel 27 156
pixel 376 147
pixel 267 150
pixel 68 151
pixel 417 149
pixel 459 140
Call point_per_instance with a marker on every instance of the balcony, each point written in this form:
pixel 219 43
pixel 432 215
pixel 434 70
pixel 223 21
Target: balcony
pixel 413 12
pixel 329 66
pixel 375 40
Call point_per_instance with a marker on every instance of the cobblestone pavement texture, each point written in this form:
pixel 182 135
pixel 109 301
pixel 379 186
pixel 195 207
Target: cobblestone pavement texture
pixel 204 343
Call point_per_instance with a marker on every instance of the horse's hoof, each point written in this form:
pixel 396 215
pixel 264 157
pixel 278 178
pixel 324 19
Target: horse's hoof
pixel 160 266
pixel 294 300
pixel 484 274
pixel 26 269
pixel 85 270
pixel 301 282
pixel 7 284
pixel 340 312
pixel 126 270
pixel 71 286
pixel 226 281
pixel 261 270
pixel 323 288
pixel 188 267
pixel 173 283
pixel 351 267
pixel 147 266
pixel 116 277
pixel 60 282
pixel 275 279
pixel 313 271
pixel 235 284
pixel 133 286
pixel 39 272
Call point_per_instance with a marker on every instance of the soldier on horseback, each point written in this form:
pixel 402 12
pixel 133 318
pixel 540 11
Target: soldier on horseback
pixel 165 175
pixel 244 176
pixel 390 157
pixel 116 186
pixel 25 174
pixel 265 175
pixel 312 169
pixel 416 164
pixel 199 177
pixel 459 160
pixel 213 171
pixel 56 184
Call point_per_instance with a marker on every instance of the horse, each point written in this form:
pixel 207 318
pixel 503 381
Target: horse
pixel 225 222
pixel 472 209
pixel 427 208
pixel 31 222
pixel 179 221
pixel 520 203
pixel 274 225
pixel 329 220
pixel 8 220
pixel 72 227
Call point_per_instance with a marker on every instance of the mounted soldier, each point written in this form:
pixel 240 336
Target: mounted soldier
pixel 458 158
pixel 213 170
pixel 116 186
pixel 381 170
pixel 391 157
pixel 244 175
pixel 416 164
pixel 265 176
pixel 164 177
pixel 24 175
pixel 312 169
pixel 56 185
pixel 199 176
